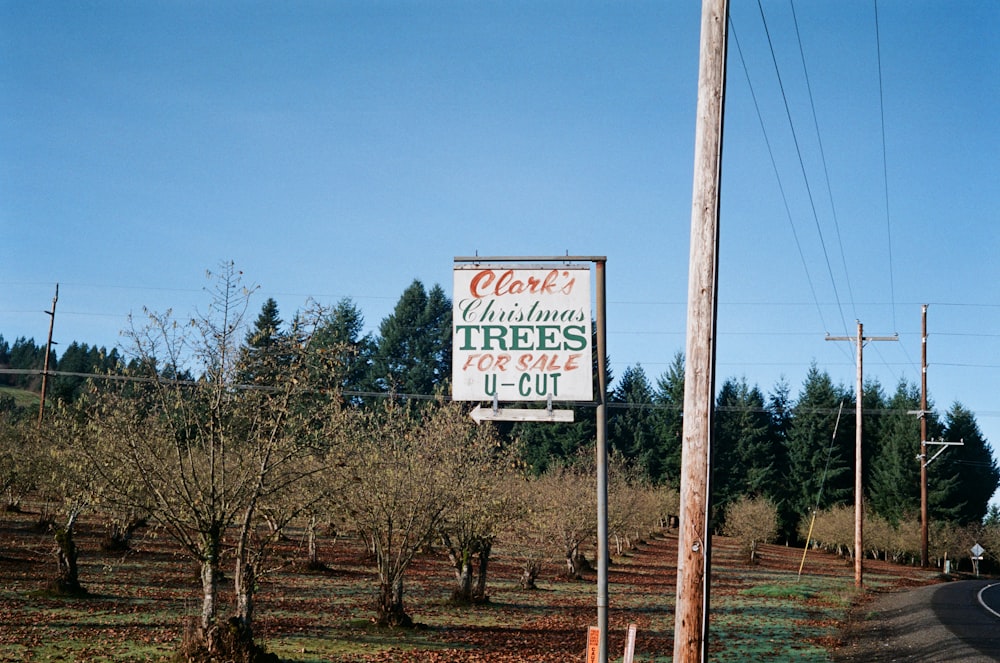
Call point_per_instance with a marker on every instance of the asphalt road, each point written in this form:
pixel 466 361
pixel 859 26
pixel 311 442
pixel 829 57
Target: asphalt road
pixel 952 622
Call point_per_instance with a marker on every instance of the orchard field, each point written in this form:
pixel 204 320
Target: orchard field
pixel 139 601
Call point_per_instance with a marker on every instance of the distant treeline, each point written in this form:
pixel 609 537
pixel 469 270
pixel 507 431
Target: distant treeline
pixel 25 360
pixel 796 450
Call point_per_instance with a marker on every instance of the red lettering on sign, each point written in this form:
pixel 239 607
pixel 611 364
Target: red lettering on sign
pixel 486 283
pixel 547 363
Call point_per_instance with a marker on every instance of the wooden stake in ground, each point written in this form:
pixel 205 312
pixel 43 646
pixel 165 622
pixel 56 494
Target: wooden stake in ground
pixel 694 539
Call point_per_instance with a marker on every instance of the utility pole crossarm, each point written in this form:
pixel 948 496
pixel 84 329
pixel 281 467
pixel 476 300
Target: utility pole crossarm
pixel 894 337
pixel 944 447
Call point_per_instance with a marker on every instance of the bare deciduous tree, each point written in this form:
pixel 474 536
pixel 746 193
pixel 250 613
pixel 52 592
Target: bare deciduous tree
pixel 487 501
pixel 401 467
pixel 213 454
pixel 751 521
pixel 560 517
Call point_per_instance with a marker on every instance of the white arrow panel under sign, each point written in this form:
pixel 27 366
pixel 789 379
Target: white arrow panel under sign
pixel 480 414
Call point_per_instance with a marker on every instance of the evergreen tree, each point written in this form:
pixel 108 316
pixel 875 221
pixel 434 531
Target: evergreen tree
pixel 76 359
pixel 553 444
pixel 259 363
pixel 342 333
pixel 894 474
pixel 873 407
pixel 631 418
pixel 819 464
pixel 4 359
pixel 664 465
pixel 779 406
pixel 743 458
pixel 779 410
pixel 25 355
pixel 413 355
pixel 556 444
pixel 966 476
pixel 266 332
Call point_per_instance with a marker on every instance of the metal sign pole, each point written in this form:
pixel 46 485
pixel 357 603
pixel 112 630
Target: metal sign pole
pixel 602 466
pixel 601 425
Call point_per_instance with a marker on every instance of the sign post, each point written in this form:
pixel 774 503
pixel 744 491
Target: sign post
pixel 523 333
pixel 629 656
pixel 977 555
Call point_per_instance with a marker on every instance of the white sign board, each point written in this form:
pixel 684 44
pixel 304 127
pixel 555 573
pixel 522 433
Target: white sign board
pixel 522 334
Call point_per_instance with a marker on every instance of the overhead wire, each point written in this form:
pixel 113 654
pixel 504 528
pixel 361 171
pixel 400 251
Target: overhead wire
pixel 802 166
pixel 823 160
pixel 826 174
pixel 777 175
pixel 885 169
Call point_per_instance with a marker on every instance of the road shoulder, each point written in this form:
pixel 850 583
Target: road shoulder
pixel 911 625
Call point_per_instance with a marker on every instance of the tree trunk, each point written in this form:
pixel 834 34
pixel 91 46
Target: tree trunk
pixel 68 578
pixel 463 577
pixel 243 575
pixel 312 548
pixel 390 611
pixel 211 547
pixel 119 534
pixel 244 585
pixel 571 570
pixel 460 557
pixel 479 593
pixel 209 601
pixel 529 574
pixel 209 593
pixel 576 563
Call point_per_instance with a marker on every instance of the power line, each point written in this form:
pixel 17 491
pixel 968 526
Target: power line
pixel 777 176
pixel 885 170
pixel 822 154
pixel 802 166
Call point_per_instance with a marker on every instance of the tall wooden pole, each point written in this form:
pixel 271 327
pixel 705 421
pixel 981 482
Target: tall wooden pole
pixel 48 351
pixel 859 506
pixel 924 557
pixel 694 537
pixel 858 410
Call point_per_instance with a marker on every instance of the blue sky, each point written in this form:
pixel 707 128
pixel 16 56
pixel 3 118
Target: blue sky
pixel 343 149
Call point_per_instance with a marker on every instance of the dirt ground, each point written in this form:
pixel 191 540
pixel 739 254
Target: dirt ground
pixel 142 596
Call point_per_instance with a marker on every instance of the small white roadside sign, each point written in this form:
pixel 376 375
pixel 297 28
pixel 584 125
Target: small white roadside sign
pixel 977 555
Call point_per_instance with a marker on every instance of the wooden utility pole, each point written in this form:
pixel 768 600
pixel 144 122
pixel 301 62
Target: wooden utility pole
pixel 48 351
pixel 924 442
pixel 858 484
pixel 694 537
pixel 924 557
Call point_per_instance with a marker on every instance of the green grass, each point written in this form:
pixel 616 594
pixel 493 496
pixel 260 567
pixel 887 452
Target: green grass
pixel 22 398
